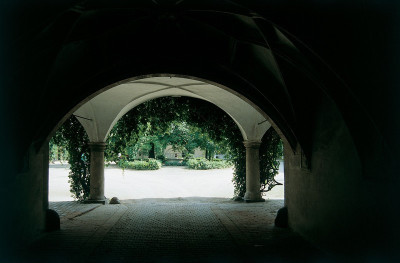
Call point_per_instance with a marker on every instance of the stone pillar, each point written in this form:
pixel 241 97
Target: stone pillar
pixel 46 157
pixel 253 186
pixel 97 172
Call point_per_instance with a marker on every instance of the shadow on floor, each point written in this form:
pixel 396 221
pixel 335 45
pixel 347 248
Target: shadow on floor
pixel 194 229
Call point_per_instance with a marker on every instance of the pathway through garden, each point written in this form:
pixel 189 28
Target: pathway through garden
pixel 168 182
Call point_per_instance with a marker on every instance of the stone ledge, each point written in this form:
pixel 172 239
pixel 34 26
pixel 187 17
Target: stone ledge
pixel 254 201
pixel 103 202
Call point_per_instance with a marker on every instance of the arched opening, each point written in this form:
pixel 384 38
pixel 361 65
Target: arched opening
pixel 329 86
pixel 99 114
pixel 114 102
pixel 252 125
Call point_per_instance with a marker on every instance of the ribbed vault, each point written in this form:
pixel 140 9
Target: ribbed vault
pixel 99 114
pixel 224 42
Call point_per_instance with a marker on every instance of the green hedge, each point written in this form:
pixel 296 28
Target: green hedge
pixel 204 164
pixel 174 163
pixel 150 164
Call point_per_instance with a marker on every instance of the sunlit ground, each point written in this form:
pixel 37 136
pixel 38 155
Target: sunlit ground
pixel 168 182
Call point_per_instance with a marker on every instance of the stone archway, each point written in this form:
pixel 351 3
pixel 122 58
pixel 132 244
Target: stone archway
pixel 99 114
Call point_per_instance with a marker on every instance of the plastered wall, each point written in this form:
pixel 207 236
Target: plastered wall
pixel 331 200
pixel 24 203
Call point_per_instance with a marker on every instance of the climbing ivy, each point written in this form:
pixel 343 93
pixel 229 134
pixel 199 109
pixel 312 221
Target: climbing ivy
pixel 73 137
pixel 271 149
pixel 154 117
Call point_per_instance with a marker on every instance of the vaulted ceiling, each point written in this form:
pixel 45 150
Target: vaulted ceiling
pixel 283 56
pixel 100 114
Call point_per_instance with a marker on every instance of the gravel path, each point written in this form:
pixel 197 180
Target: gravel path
pixel 168 182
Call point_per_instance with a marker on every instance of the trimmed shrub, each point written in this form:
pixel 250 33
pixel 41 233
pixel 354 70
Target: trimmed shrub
pixel 161 158
pixel 174 163
pixel 150 164
pixel 204 164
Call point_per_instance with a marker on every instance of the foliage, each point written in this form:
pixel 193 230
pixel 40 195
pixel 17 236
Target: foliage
pixel 148 119
pixel 174 163
pixel 184 123
pixel 150 164
pixel 270 150
pixel 237 155
pixel 187 137
pixel 205 164
pixel 161 158
pixel 57 152
pixel 72 136
pixel 145 146
pixel 180 135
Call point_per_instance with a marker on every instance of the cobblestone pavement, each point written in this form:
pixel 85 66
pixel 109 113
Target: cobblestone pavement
pixel 71 209
pixel 175 230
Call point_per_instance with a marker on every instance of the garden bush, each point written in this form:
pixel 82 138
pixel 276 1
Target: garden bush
pixel 161 158
pixel 221 164
pixel 150 164
pixel 204 164
pixel 174 163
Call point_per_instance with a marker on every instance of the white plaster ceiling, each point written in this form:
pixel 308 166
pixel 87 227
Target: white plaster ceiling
pixel 101 113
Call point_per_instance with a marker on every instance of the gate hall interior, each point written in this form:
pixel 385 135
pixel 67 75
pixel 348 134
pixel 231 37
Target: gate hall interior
pixel 323 75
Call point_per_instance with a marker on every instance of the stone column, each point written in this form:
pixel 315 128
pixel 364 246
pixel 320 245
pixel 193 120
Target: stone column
pixel 97 172
pixel 45 149
pixel 253 186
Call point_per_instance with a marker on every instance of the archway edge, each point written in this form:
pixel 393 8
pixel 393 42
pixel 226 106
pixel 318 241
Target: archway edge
pixel 101 112
pixel 118 75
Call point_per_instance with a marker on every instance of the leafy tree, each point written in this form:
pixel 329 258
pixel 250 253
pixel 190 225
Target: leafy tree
pixel 57 152
pixel 186 138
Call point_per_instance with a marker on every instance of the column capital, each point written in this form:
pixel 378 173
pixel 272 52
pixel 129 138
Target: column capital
pixel 97 146
pixel 252 144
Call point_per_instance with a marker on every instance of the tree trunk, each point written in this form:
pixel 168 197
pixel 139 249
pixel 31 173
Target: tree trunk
pixel 152 151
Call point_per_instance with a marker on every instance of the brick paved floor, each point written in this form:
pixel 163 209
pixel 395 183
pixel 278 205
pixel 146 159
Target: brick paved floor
pixel 71 209
pixel 175 230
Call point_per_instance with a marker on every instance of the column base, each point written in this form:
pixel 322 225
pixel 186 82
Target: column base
pixel 254 200
pixel 251 197
pixel 92 201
